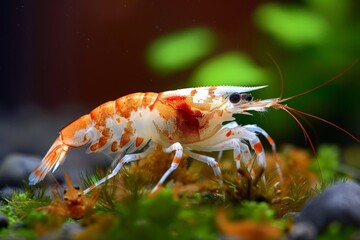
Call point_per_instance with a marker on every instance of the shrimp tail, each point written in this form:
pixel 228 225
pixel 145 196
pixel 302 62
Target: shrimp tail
pixel 53 158
pixel 73 135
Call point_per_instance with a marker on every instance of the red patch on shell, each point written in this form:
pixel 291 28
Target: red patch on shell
pixel 114 146
pixel 228 134
pixel 258 147
pixel 139 141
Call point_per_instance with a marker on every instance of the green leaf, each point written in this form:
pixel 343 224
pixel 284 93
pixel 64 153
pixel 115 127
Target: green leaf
pixel 328 160
pixel 177 51
pixel 293 26
pixel 336 10
pixel 232 68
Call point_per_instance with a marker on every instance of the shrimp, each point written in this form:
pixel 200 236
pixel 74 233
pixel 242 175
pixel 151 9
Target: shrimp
pixel 181 121
pixel 74 204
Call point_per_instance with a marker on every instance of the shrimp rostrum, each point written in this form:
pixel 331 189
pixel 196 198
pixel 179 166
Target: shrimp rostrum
pixel 181 121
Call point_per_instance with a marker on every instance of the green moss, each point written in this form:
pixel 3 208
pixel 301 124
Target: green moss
pixel 162 217
pixel 18 233
pixel 23 202
pixel 258 211
pixel 9 212
pixel 136 214
pixel 326 163
pixel 337 231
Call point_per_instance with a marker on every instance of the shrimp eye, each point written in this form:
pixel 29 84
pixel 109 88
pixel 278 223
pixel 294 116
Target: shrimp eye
pixel 77 188
pixel 66 199
pixel 247 97
pixel 235 97
pixel 79 195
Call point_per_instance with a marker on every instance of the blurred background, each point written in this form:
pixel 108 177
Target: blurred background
pixel 60 59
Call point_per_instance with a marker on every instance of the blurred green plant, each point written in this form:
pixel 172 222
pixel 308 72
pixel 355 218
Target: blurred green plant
pixel 257 211
pixel 177 51
pixel 232 68
pixel 21 233
pixel 20 209
pixel 22 202
pixel 326 163
pixel 9 212
pixel 320 39
pixel 162 218
pixel 336 231
pixel 315 23
pixel 293 26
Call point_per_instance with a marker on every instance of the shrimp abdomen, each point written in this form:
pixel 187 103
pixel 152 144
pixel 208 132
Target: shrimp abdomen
pixel 74 134
pixel 108 128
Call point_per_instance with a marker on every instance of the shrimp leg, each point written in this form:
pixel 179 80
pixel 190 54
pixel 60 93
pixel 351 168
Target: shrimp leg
pixel 209 161
pixel 126 159
pixel 255 128
pixel 175 163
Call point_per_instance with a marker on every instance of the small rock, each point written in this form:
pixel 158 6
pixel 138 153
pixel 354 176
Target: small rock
pixel 8 192
pixel 17 226
pixel 302 231
pixel 339 203
pixel 5 150
pixel 16 168
pixel 4 221
pixel 291 215
pixel 71 228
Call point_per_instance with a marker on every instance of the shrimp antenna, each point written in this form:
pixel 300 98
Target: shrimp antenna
pixel 325 121
pixel 280 74
pixel 289 110
pixel 307 136
pixel 324 83
pixel 313 89
pixel 281 95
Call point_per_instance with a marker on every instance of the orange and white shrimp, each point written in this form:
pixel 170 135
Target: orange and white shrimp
pixel 181 121
pixel 74 204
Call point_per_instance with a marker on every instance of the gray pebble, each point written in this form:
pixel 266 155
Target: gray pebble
pixel 338 203
pixel 8 192
pixel 4 221
pixel 15 168
pixel 17 226
pixel 303 231
pixel 71 228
